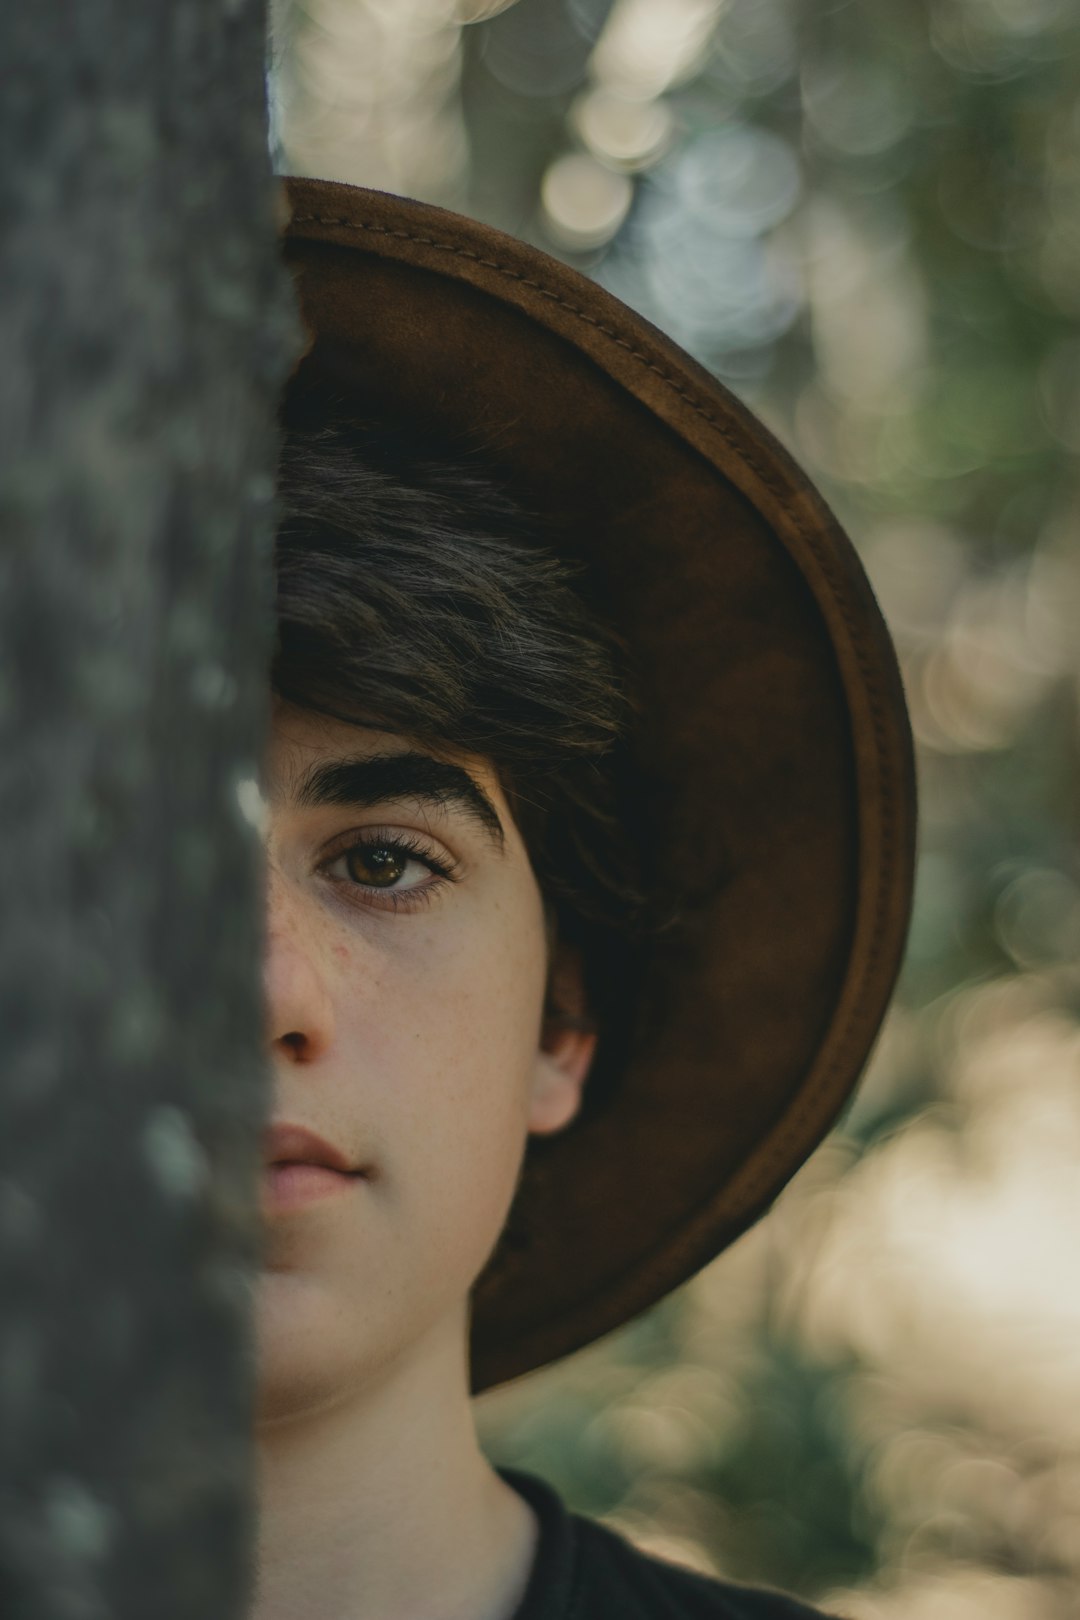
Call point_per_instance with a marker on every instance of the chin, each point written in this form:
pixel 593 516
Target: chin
pixel 305 1355
pixel 313 1353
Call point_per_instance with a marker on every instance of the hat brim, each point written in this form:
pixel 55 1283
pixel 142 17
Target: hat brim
pixel 773 744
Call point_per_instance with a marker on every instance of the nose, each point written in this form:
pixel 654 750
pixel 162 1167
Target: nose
pixel 299 1008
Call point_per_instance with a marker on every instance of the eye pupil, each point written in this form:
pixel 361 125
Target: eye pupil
pixel 376 864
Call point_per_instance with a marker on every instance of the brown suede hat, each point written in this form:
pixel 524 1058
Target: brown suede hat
pixel 773 743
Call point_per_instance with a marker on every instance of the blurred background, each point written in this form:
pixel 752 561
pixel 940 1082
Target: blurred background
pixel 866 220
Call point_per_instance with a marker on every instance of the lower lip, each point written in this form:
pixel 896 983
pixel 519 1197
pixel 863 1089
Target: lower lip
pixel 290 1186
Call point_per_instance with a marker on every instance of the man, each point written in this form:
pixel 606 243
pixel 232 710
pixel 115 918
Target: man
pixel 589 854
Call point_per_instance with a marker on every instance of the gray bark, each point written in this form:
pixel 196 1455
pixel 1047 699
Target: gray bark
pixel 145 327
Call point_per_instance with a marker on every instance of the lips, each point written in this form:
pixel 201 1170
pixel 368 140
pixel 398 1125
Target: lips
pixel 300 1170
pixel 294 1144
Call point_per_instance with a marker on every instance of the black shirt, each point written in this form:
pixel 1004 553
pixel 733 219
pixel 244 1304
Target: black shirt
pixel 584 1571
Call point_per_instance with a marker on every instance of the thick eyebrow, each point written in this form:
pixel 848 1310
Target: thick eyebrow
pixel 379 778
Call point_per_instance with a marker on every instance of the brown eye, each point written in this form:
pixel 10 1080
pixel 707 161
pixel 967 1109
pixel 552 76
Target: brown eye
pixel 398 868
pixel 379 865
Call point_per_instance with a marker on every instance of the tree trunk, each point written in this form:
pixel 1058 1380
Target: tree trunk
pixel 144 333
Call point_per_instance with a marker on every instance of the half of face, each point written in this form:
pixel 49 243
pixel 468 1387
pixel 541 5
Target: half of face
pixel 408 965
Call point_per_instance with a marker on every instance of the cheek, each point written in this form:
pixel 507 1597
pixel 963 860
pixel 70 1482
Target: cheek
pixel 479 1026
pixel 448 1025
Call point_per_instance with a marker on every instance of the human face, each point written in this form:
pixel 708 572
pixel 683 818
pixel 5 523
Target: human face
pixel 406 966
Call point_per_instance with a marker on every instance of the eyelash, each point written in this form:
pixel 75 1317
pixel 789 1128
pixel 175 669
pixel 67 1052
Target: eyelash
pixel 443 871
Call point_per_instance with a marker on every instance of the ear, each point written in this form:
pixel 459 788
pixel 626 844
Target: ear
pixel 567 1044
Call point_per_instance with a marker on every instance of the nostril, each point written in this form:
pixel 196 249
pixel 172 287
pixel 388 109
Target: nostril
pixel 299 1011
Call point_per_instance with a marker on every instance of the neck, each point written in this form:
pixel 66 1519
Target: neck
pixel 384 1507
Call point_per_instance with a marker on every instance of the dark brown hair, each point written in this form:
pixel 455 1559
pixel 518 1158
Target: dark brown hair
pixel 415 595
